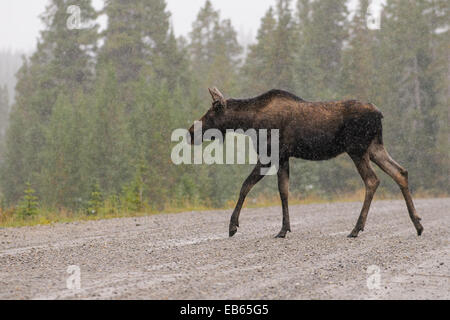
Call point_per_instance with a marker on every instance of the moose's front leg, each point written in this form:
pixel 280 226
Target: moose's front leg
pixel 283 186
pixel 249 183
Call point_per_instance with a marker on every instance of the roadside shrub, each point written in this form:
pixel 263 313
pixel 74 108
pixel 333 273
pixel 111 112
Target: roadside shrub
pixel 95 202
pixel 29 204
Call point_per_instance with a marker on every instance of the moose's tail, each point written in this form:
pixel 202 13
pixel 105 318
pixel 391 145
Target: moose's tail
pixel 378 123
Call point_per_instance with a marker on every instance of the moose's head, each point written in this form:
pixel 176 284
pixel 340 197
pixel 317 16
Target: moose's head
pixel 213 119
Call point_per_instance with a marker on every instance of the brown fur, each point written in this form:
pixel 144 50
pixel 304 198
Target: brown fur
pixel 313 131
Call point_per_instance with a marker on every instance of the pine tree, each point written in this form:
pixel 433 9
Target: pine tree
pixel 202 35
pixel 408 88
pixel 260 57
pixel 61 183
pixel 358 77
pixel 150 128
pixel 146 67
pixel 10 63
pixel 138 37
pixel 174 68
pixel 106 145
pixel 4 116
pixel 62 63
pixel 96 200
pixel 270 61
pixel 322 31
pixel 437 15
pixel 214 52
pixel 28 205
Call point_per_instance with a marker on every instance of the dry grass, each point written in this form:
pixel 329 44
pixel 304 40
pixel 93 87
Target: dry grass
pixel 9 219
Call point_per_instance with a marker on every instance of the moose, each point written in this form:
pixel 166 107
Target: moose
pixel 315 131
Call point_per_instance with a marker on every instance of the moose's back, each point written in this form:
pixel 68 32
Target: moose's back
pixel 319 130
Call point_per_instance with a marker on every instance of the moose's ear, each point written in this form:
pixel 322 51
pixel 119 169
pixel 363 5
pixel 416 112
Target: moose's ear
pixel 217 96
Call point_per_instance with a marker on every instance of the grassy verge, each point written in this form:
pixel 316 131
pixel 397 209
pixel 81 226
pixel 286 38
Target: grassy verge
pixel 9 218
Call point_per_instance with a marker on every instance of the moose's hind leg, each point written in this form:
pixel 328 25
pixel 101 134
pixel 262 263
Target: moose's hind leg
pixel 381 157
pixel 371 182
pixel 283 186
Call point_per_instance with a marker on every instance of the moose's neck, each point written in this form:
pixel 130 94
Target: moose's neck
pixel 240 114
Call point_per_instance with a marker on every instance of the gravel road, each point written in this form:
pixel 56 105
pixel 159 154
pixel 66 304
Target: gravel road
pixel 189 256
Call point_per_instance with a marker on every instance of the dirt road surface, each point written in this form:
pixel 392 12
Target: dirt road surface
pixel 189 256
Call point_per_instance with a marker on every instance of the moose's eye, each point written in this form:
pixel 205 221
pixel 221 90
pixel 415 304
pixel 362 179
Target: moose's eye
pixel 217 106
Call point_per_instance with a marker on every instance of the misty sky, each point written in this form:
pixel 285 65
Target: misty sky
pixel 20 24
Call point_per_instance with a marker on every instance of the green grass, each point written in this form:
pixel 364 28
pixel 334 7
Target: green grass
pixel 10 218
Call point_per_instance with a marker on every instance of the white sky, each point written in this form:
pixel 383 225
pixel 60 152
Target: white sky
pixel 20 23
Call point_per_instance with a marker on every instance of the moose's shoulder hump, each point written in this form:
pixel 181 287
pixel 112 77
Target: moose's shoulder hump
pixel 281 93
pixel 262 100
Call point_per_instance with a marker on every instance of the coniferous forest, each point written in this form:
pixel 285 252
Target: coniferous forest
pixel 89 128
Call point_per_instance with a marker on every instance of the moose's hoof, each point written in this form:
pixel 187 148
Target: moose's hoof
pixel 356 231
pixel 420 231
pixel 354 234
pixel 282 234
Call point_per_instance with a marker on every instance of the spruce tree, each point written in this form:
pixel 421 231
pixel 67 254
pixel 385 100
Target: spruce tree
pixel 214 52
pixel 61 63
pixel 4 115
pixel 61 182
pixel 106 145
pixel 146 67
pixel 358 76
pixel 322 30
pixel 271 60
pixel 409 87
pixel 138 37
